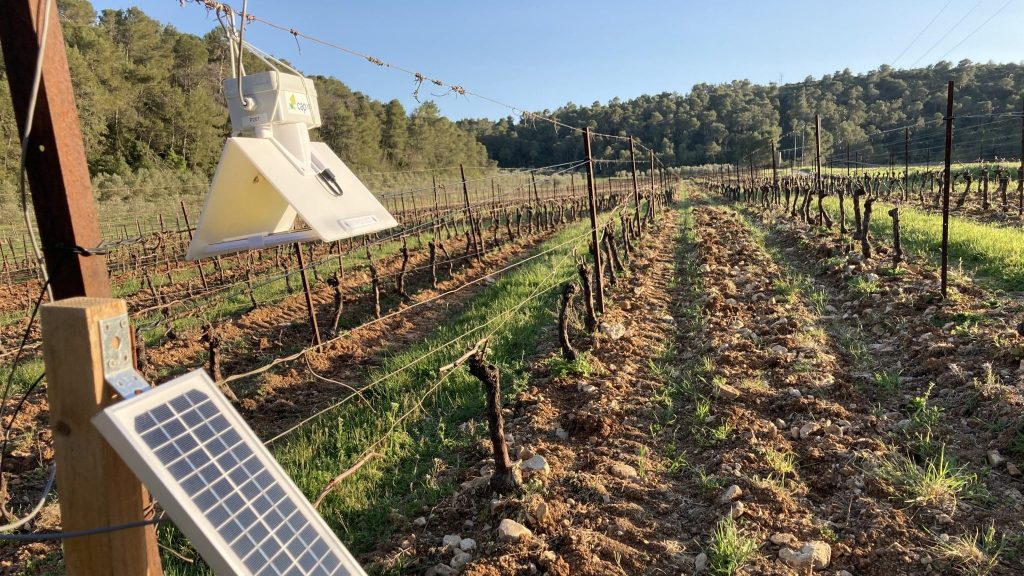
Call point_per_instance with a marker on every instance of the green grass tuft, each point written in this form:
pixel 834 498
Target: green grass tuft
pixel 729 550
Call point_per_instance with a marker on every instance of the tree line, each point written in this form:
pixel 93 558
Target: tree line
pixel 725 123
pixel 152 110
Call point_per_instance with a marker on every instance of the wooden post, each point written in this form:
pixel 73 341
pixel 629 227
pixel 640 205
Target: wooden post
pixel 817 169
pixel 437 211
pixel 57 172
pixel 775 171
pixel 469 214
pixel 595 243
pixel 568 293
pixel 188 228
pixel 636 184
pixel 590 317
pixel 309 296
pixel 96 487
pixel 906 164
pixel 650 200
pixel 1020 170
pixel 375 281
pixel 416 219
pixel 944 274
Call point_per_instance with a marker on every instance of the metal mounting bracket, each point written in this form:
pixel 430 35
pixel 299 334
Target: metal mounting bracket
pixel 118 370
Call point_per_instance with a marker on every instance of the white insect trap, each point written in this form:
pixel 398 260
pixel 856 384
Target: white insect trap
pixel 270 172
pixel 219 484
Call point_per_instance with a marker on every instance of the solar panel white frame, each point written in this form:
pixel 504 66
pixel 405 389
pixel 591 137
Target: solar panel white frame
pixel 219 484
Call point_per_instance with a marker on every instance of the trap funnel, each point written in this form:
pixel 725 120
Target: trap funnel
pixel 270 172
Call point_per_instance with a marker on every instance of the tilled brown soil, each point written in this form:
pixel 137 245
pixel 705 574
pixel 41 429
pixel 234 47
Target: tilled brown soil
pixel 731 395
pixel 963 355
pixel 731 381
pixel 276 400
pixel 602 507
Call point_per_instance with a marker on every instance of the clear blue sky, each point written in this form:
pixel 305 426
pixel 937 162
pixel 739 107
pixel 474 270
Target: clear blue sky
pixel 538 55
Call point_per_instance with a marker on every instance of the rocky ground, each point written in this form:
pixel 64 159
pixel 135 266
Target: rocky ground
pixel 760 401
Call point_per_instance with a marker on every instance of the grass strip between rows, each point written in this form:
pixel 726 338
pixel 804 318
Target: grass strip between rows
pixel 404 478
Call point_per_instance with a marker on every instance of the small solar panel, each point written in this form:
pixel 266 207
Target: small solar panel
pixel 219 484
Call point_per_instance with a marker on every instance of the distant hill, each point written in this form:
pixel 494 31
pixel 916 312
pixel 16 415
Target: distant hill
pixel 150 102
pixel 723 122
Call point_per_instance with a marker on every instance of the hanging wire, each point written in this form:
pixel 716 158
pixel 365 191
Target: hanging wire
pixel 29 117
pixel 418 77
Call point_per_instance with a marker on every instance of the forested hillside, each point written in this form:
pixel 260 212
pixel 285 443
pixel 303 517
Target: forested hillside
pixel 724 122
pixel 151 108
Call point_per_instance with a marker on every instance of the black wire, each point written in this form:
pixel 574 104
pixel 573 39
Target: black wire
pixel 65 535
pixel 14 415
pixel 10 377
pixel 21 349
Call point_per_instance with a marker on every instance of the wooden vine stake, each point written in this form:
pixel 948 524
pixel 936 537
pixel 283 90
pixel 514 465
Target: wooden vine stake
pixel 588 297
pixel 568 293
pixel 375 281
pixel 943 275
pixel 212 342
pixel 248 282
pixel 433 263
pixel 865 241
pixel 897 252
pixel 339 302
pixel 308 294
pixel 400 279
pixel 595 246
pixel 504 480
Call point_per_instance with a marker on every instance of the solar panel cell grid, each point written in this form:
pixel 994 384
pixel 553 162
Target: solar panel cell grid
pixel 193 446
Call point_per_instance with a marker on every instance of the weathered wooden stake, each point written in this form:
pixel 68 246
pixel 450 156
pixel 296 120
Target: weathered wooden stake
pixel 188 228
pixel 375 282
pixel 865 233
pixel 590 320
pixel 433 263
pixel 944 273
pixel 568 293
pixel 897 252
pixel 310 307
pixel 339 302
pixel 96 487
pixel 248 282
pixel 400 279
pixel 504 480
pixel 595 241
